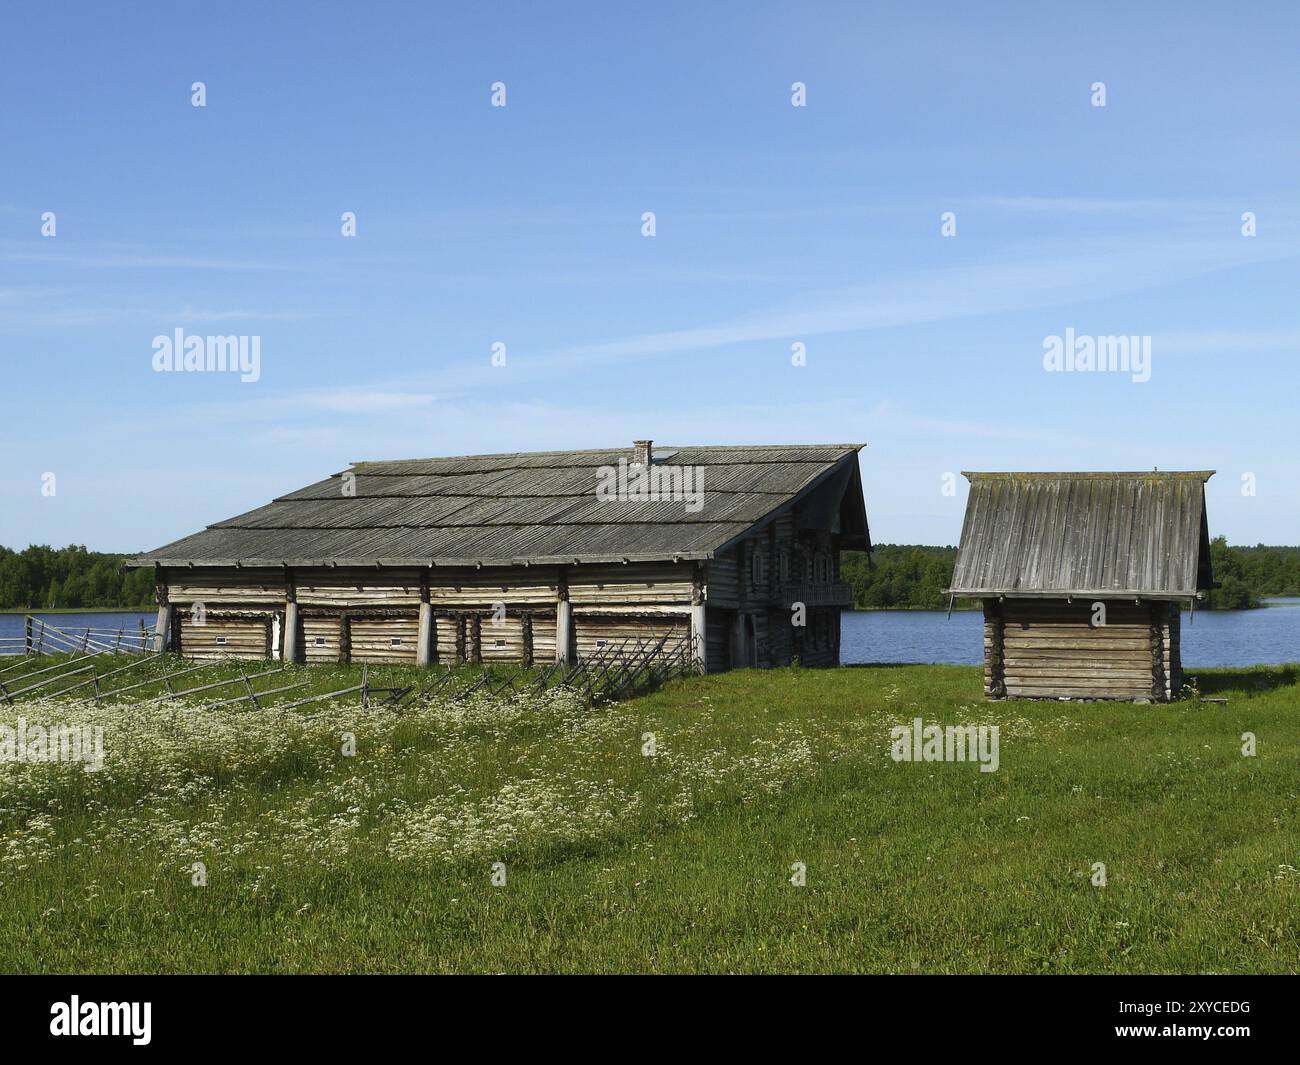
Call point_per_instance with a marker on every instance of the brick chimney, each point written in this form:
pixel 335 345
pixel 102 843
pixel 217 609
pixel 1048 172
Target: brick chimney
pixel 641 452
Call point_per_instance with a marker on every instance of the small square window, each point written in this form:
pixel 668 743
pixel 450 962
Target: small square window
pixel 221 640
pixel 600 644
pixel 320 641
pixel 499 643
pixel 397 641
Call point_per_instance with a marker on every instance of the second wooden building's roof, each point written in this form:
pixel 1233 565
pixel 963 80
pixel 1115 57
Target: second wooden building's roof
pixel 536 507
pixel 1143 535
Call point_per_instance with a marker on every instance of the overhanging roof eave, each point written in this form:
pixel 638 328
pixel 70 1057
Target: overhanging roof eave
pixel 416 563
pixel 1071 593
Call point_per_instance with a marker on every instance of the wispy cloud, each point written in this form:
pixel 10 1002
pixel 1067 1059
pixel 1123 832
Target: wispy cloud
pixel 63 255
pixel 1227 342
pixel 189 314
pixel 1097 204
pixel 1067 273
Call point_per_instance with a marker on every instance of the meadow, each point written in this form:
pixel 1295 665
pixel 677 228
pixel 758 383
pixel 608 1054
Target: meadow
pixel 660 834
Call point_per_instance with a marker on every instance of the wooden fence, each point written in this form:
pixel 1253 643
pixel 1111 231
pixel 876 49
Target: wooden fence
pixel 41 638
pixel 615 671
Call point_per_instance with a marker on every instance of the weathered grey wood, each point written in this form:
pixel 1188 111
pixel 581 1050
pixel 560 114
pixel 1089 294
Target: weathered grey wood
pixel 699 637
pixel 1050 649
pixel 162 628
pixel 291 638
pixel 528 531
pixel 424 642
pixel 564 631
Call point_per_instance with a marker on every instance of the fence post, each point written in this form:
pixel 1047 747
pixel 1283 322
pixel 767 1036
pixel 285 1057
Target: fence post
pixel 27 635
pixel 162 628
pixel 248 686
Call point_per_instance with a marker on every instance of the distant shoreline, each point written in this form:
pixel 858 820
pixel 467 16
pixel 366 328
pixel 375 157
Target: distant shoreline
pixel 969 606
pixel 77 610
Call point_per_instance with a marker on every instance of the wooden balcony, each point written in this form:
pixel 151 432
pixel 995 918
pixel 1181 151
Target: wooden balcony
pixel 816 593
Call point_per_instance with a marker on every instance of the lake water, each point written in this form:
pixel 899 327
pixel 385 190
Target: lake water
pixel 11 625
pixel 1232 638
pixel 1215 638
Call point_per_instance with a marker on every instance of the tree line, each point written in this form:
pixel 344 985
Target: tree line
pixel 894 576
pixel 49 578
pixel 910 576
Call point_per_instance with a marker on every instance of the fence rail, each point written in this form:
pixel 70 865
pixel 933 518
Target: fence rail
pixel 614 671
pixel 41 638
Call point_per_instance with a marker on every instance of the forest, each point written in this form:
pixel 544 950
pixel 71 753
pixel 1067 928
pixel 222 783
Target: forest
pixel 44 578
pixel 895 576
pixel 909 576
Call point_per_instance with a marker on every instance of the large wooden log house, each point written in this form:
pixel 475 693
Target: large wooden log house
pixel 1082 576
pixel 530 558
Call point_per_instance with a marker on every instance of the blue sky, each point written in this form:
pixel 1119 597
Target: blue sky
pixel 522 225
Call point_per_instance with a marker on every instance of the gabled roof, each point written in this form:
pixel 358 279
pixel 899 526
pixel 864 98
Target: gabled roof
pixel 538 507
pixel 1085 534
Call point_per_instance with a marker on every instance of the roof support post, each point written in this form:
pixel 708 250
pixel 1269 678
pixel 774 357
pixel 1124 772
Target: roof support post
pixel 290 641
pixel 563 620
pixel 291 644
pixel 699 622
pixel 424 642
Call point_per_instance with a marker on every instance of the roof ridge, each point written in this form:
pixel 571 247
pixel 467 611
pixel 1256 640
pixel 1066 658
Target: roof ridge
pixel 1079 475
pixel 620 448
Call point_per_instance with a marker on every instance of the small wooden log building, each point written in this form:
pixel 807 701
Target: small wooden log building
pixel 519 558
pixel 1082 576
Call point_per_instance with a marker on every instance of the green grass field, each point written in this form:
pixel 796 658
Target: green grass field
pixel 614 860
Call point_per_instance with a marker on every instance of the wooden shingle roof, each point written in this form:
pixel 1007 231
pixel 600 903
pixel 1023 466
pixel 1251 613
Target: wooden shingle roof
pixel 1084 534
pixel 537 507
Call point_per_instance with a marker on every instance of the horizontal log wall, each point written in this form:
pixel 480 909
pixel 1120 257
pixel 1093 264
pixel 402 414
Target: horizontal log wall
pixel 218 587
pixel 353 614
pixel 722 589
pixel 818 643
pixel 595 634
pixel 780 637
pixel 1171 634
pixel 639 583
pixel 322 638
pixel 448 639
pixel 544 643
pixel 503 640
pixel 717 627
pixel 224 637
pixel 358 587
pixel 994 687
pixel 373 639
pixel 520 586
pixel 1051 649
